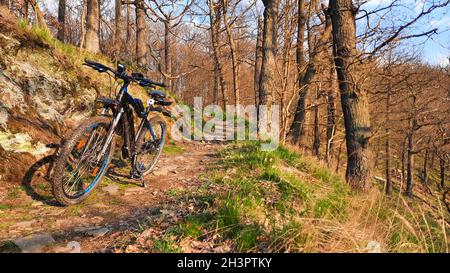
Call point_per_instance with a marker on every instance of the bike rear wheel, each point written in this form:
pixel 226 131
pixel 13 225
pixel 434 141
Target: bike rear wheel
pixel 150 144
pixel 80 167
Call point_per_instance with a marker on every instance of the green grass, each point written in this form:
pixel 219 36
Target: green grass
pixel 5 206
pixel 173 149
pixel 283 201
pixel 165 245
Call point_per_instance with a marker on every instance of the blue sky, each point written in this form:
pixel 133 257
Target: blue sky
pixel 435 50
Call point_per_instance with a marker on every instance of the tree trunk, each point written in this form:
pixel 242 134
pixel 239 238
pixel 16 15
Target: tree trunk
pixel 61 20
pixel 425 168
pixel 268 66
pixel 4 3
pixel 258 60
pixel 83 26
pixel 233 52
pixel 167 55
pixel 353 99
pixel 141 34
pixel 403 161
pixel 215 22
pixel 39 16
pixel 129 30
pixel 93 26
pixel 410 165
pixel 300 55
pixel 331 113
pixel 316 138
pixel 338 163
pixel 26 13
pixel 119 21
pixel 387 144
pixel 297 128
pixel 442 171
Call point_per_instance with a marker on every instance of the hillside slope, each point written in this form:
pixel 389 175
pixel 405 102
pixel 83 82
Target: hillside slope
pixel 42 93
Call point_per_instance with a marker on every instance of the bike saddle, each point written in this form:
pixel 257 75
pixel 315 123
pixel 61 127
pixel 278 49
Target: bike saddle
pixel 157 94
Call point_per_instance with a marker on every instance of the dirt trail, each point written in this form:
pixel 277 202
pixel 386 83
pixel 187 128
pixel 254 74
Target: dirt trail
pixel 114 207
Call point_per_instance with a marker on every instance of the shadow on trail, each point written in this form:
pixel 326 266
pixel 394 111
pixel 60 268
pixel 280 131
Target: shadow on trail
pixel 46 163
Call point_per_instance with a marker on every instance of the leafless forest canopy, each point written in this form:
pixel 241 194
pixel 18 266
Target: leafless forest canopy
pixel 351 81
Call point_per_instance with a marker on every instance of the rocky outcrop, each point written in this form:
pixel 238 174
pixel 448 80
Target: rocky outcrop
pixel 41 95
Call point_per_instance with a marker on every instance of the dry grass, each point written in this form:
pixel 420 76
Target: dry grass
pixel 295 204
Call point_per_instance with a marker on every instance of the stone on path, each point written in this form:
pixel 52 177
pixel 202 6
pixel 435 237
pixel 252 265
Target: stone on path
pixel 97 232
pixel 373 247
pixel 111 189
pixel 34 243
pixel 92 231
pixel 71 247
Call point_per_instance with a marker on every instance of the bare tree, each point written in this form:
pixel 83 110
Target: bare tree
pixel 316 53
pixel 4 3
pixel 93 26
pixel 141 33
pixel 267 77
pixel 353 99
pixel 119 26
pixel 61 20
pixel 83 22
pixel 258 61
pixel 214 30
pixel 171 14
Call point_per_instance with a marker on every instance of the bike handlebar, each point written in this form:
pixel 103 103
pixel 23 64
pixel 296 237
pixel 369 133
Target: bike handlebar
pixel 136 77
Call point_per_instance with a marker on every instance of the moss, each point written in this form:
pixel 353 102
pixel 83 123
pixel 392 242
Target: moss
pixel 9 247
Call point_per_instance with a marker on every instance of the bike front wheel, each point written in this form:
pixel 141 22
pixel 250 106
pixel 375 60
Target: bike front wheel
pixel 80 165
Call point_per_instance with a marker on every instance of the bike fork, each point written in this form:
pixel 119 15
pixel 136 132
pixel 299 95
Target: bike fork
pixel 110 135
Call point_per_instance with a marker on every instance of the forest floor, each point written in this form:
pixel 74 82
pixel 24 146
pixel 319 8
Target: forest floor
pixel 206 197
pixel 39 224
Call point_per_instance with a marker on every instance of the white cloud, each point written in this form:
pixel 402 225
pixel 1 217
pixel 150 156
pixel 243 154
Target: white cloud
pixel 442 59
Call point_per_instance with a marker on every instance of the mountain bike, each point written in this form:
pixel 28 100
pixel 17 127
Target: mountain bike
pixel 86 153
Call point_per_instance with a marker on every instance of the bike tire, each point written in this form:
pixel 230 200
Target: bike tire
pixel 60 164
pixel 156 120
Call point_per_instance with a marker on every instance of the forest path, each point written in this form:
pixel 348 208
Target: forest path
pixel 114 207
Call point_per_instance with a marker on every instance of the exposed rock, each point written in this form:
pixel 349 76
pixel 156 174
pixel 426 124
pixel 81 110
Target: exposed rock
pixel 8 44
pixel 111 189
pixel 41 95
pixel 71 247
pixel 34 243
pixel 37 204
pixel 97 232
pixel 373 247
pixel 20 143
pixel 74 247
pixel 92 231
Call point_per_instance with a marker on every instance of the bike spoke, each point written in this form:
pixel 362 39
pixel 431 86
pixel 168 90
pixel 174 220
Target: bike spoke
pixel 81 163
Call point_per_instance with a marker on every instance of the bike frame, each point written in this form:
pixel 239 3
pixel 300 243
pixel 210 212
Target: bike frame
pixel 123 116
